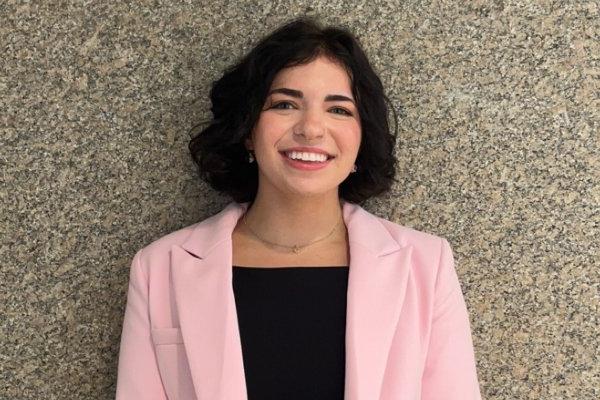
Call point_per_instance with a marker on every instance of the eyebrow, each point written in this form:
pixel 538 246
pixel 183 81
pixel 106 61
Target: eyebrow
pixel 298 94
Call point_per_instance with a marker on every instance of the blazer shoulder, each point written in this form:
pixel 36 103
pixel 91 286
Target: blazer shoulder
pixel 157 250
pixel 408 236
pixel 427 250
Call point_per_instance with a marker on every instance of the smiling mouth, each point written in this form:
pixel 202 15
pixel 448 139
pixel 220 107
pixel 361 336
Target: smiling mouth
pixel 329 157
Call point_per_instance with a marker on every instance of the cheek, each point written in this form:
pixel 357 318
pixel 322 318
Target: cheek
pixel 353 140
pixel 271 126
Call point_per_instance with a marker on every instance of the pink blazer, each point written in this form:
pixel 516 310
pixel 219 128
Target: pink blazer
pixel 408 333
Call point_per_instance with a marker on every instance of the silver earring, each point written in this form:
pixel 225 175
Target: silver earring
pixel 354 168
pixel 250 157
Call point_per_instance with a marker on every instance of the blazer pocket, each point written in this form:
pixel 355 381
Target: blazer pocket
pixel 173 363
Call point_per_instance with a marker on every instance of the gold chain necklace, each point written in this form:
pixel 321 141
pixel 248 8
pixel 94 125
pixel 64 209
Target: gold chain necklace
pixel 296 249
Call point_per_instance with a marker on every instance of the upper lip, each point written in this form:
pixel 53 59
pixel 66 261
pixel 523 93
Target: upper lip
pixel 308 150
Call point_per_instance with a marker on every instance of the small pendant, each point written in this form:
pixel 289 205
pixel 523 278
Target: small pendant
pixel 296 249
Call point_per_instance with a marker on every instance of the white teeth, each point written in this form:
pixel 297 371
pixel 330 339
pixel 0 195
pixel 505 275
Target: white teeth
pixel 306 156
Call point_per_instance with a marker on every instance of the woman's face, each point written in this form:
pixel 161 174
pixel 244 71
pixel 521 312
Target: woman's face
pixel 309 105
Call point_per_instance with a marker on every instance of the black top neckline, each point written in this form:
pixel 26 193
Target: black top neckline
pixel 308 267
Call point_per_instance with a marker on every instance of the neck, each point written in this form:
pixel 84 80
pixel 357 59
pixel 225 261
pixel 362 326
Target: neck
pixel 296 221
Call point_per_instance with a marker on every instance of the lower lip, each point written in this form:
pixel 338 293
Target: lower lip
pixel 306 165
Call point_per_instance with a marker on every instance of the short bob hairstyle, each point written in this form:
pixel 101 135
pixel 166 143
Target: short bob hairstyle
pixel 239 95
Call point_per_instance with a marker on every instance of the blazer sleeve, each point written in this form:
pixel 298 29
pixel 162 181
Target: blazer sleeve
pixel 450 368
pixel 138 377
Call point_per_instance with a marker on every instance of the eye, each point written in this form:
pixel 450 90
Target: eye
pixel 343 110
pixel 277 105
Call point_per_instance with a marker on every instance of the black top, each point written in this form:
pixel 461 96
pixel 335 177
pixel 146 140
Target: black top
pixel 292 323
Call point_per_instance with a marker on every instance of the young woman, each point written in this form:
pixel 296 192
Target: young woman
pixel 293 290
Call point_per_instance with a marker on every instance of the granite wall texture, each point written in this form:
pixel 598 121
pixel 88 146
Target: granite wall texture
pixel 498 151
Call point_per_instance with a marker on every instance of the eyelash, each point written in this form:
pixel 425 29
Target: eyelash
pixel 287 102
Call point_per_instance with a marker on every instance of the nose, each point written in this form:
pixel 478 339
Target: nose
pixel 311 124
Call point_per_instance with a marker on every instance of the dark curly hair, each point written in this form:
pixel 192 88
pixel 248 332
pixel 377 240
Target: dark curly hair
pixel 239 95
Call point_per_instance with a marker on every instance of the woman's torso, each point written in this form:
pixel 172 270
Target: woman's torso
pixel 291 312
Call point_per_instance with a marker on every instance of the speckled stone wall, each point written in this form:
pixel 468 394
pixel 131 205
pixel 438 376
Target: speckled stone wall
pixel 499 104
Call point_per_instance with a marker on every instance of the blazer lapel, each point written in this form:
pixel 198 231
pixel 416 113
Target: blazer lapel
pixel 201 269
pixel 377 280
pixel 202 282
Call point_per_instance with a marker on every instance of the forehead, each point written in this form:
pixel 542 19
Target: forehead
pixel 320 73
